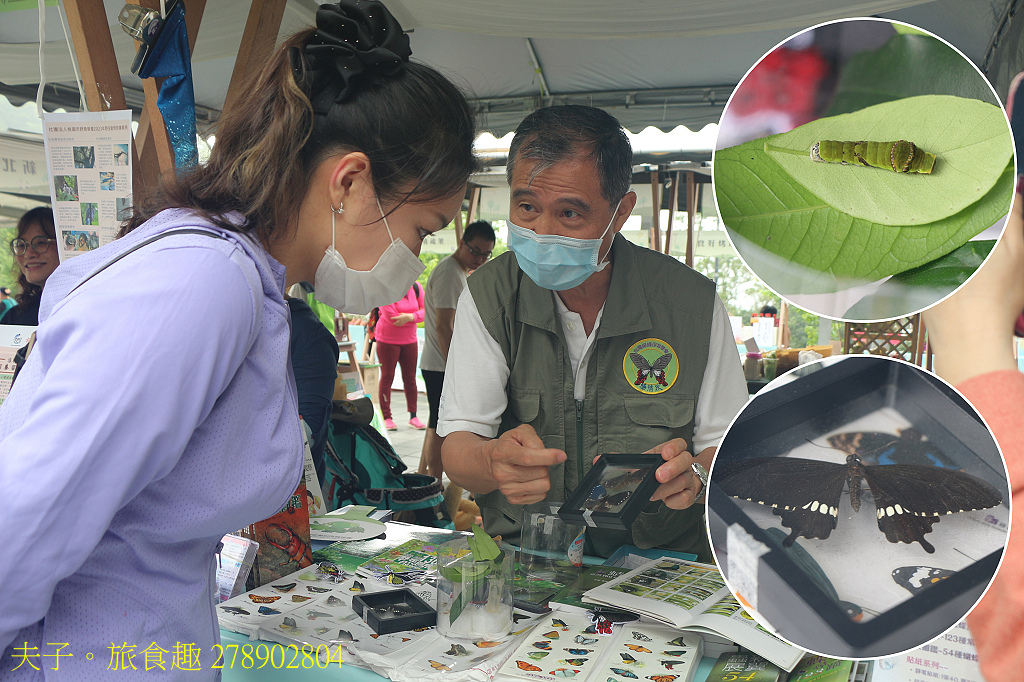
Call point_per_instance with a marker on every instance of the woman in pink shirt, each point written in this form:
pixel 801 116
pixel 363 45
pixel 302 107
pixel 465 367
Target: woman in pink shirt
pixel 396 344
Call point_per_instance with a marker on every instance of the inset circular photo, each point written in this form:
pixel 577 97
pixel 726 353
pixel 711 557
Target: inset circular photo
pixel 859 506
pixel 864 169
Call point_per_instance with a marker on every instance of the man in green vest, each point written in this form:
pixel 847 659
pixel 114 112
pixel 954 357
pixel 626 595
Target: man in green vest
pixel 577 343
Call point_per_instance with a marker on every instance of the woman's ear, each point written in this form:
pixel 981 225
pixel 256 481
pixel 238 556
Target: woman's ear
pixel 348 176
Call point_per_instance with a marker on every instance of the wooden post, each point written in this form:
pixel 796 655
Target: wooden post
pixel 258 39
pixel 474 204
pixel 691 208
pixel 656 213
pixel 672 203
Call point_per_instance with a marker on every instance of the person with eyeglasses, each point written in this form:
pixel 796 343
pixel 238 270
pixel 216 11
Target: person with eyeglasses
pixel 35 251
pixel 444 287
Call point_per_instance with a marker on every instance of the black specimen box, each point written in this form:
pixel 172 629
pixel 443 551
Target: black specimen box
pixel 798 418
pixel 394 611
pixel 613 493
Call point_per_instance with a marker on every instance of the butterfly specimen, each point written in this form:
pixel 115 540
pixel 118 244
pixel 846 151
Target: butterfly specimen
pixel 285 588
pixel 551 635
pixel 546 646
pixel 909 499
pixel 575 661
pixel 457 650
pixel 603 502
pixel 267 611
pixel 579 652
pixel 564 672
pixel 874 447
pixel 485 644
pixel 263 600
pixel 641 637
pixel 288 624
pixel 585 641
pixel 663 678
pixel 627 658
pixel 438 666
pixel 916 578
pixel 637 648
pixel 235 610
pixel 317 590
pixel 624 673
pixel 900 156
pixel 537 655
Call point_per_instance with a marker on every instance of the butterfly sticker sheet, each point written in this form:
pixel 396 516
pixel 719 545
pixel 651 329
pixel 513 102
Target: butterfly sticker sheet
pixel 563 644
pixel 652 652
pixel 435 658
pixel 913 505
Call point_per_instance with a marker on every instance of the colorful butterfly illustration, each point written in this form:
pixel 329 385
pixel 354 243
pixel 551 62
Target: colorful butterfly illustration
pixel 516 617
pixel 334 601
pixel 457 650
pixel 899 156
pixel 537 655
pixel 585 641
pixel 288 587
pixel 575 661
pixel 560 624
pixel 328 571
pixel 235 610
pixel 624 673
pixel 321 630
pixel 663 678
pixel 267 611
pixel 263 600
pixel 590 630
pixel 640 637
pixel 523 665
pixel 916 578
pixel 485 644
pixel 551 635
pixel 438 666
pixel 674 653
pixel 564 672
pixel 627 588
pixel 579 652
pixel 317 590
pixel 627 658
pixel 288 624
pixel 678 641
pixel 357 587
pixel 344 636
pixel 300 598
pixel 374 636
pixel 313 615
pixel 669 664
pixel 544 646
pixel 637 648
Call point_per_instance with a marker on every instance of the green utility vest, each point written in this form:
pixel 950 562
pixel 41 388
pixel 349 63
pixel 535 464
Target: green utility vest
pixel 655 305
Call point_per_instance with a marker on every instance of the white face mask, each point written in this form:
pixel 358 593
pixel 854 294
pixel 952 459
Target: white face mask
pixel 360 291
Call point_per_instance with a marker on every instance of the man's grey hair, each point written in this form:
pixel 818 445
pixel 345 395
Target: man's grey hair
pixel 554 134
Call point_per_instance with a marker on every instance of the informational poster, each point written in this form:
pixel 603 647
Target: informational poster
pixel 88 156
pixel 950 658
pixel 12 338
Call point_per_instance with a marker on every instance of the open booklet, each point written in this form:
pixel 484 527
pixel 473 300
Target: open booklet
pixel 694 597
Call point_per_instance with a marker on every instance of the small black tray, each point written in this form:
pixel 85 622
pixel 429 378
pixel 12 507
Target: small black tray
pixel 377 610
pixel 593 504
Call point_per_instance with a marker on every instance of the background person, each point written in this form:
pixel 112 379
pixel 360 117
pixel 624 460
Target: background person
pixel 35 252
pixel 395 335
pixel 6 300
pixel 578 343
pixel 196 431
pixel 444 287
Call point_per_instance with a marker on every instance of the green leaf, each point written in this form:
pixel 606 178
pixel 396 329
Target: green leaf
pixel 773 214
pixel 907 66
pixel 951 270
pixel 971 139
pixel 482 545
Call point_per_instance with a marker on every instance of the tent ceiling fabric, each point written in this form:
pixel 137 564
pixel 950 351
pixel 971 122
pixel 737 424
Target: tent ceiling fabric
pixel 648 62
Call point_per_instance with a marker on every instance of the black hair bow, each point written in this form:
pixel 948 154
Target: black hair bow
pixel 355 40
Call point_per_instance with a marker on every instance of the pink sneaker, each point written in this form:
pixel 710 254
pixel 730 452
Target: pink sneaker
pixel 417 424
pixel 389 424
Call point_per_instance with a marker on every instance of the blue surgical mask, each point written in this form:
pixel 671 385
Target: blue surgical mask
pixel 555 262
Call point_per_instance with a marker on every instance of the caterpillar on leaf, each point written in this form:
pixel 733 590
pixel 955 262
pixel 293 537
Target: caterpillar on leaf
pixel 900 156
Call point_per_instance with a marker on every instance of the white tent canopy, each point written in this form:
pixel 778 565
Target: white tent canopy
pixel 649 62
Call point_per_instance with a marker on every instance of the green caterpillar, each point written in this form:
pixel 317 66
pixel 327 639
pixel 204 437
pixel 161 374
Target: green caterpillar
pixel 899 156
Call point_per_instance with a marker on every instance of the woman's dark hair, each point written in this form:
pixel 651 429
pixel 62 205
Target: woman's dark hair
pixel 43 217
pixel 415 127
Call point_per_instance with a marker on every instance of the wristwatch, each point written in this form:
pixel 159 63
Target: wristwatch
pixel 702 474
